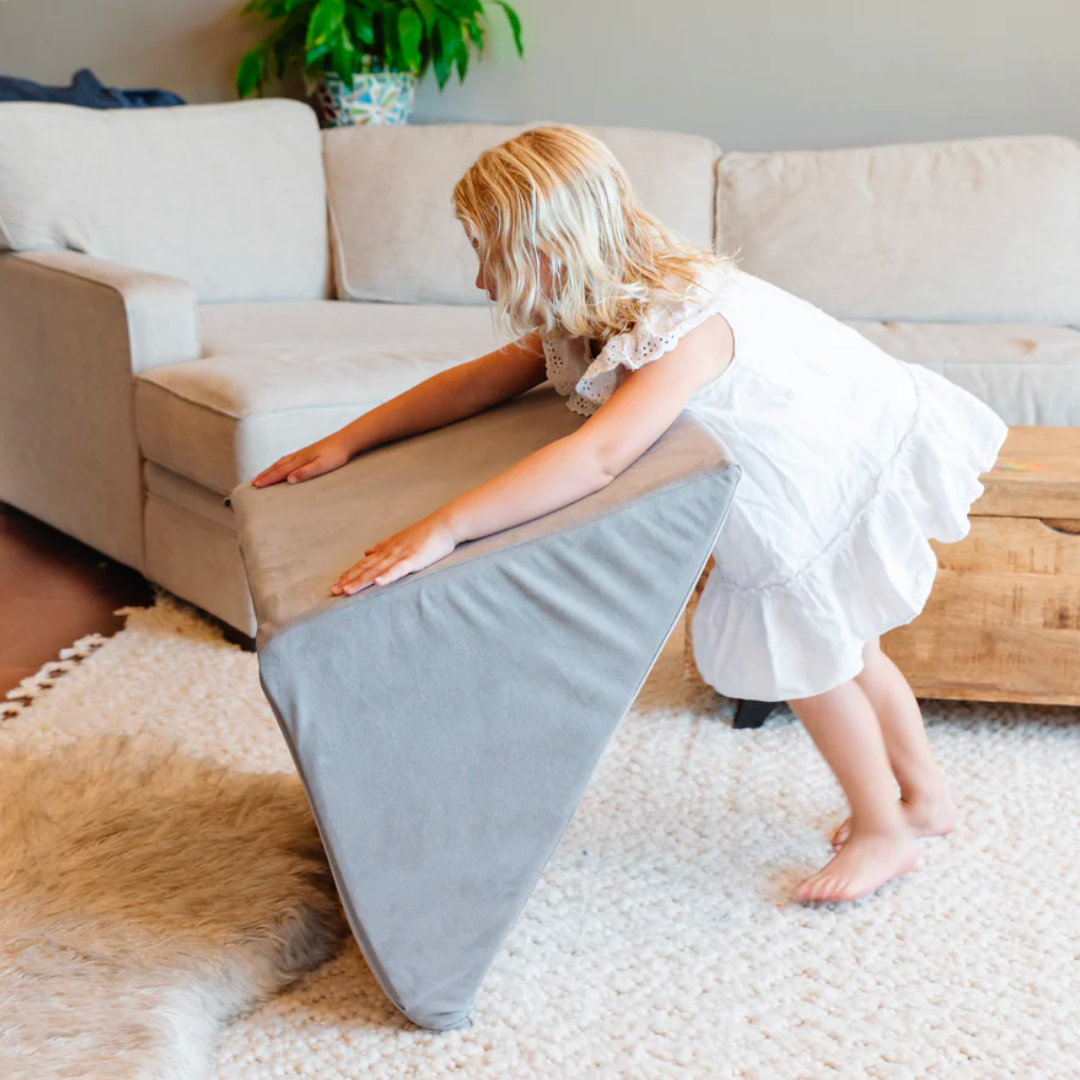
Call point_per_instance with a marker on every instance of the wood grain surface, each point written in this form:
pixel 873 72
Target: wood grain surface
pixel 1003 620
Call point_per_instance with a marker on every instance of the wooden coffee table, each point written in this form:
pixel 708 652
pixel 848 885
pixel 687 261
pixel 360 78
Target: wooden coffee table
pixel 1003 620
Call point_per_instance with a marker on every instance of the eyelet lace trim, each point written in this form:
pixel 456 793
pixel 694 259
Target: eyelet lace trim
pixel 557 366
pixel 564 372
pixel 587 385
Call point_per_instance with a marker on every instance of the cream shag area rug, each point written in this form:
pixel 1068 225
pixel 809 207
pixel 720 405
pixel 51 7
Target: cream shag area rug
pixel 148 899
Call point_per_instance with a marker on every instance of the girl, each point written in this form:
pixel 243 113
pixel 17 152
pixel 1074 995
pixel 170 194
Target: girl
pixel 851 459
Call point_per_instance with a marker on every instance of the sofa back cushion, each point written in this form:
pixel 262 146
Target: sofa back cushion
pixel 230 198
pixel 393 226
pixel 973 230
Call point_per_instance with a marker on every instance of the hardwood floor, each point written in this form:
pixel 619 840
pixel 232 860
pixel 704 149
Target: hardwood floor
pixel 54 589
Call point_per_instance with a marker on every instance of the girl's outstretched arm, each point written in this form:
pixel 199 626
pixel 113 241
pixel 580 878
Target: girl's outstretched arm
pixel 450 395
pixel 639 411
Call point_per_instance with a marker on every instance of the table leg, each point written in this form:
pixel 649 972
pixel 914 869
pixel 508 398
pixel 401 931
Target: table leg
pixel 752 714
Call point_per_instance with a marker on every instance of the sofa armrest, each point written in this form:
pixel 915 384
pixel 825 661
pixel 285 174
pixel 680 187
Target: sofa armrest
pixel 73 332
pixel 161 311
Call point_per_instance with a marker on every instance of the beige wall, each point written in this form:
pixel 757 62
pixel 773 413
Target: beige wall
pixel 755 74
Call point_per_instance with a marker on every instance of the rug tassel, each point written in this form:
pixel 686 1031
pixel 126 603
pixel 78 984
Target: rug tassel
pixel 33 686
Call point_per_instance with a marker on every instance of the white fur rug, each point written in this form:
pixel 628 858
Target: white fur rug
pixel 150 889
pixel 660 941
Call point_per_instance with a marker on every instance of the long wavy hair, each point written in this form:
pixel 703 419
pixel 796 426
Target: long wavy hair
pixel 557 194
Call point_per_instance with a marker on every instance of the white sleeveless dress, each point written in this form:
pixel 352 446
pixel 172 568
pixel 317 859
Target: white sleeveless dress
pixel 851 460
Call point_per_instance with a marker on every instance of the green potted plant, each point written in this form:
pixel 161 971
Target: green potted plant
pixel 361 59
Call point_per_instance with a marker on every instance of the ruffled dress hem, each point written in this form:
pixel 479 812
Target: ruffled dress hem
pixel 805 636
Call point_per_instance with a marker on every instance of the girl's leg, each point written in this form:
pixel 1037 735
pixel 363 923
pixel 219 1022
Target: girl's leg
pixel 923 798
pixel 845 729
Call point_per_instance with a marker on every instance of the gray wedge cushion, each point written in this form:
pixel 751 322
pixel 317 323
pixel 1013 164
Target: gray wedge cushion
pixel 445 725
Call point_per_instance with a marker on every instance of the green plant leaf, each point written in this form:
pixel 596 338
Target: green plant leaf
pixel 392 58
pixel 250 72
pixel 450 36
pixel 460 9
pixel 440 57
pixel 429 12
pixel 363 25
pixel 268 9
pixel 457 49
pixel 326 17
pixel 515 23
pixel 344 56
pixel 411 33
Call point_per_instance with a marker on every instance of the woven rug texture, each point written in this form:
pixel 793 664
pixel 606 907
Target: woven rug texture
pixel 166 911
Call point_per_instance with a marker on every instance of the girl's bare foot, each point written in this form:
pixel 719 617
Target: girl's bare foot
pixel 926 817
pixel 862 865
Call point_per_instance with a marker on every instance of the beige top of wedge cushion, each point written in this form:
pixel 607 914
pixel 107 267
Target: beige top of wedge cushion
pixel 393 226
pixel 969 230
pixel 230 198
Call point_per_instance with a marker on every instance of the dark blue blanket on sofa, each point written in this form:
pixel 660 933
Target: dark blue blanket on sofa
pixel 85 89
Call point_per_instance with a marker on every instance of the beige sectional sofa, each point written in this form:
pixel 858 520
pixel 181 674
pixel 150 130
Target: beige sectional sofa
pixel 186 294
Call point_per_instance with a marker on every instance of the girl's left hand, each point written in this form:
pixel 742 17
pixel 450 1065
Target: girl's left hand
pixel 403 553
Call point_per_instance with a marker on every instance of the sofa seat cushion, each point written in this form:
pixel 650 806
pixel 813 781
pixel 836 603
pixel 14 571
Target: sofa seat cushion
pixel 275 377
pixel 1029 374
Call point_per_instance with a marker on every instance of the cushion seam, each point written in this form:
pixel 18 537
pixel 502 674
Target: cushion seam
pixel 191 401
pixel 248 416
pixel 179 506
pixel 186 476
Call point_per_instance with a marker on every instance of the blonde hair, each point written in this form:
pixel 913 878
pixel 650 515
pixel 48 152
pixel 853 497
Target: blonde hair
pixel 556 193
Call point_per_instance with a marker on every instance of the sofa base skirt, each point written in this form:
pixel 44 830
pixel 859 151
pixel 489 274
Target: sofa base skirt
pixel 191 554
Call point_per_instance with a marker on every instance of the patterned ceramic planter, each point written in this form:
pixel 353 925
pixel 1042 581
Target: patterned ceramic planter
pixel 377 97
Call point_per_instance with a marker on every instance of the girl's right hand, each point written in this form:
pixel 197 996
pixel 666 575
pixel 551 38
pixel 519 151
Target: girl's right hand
pixel 320 457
